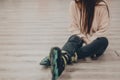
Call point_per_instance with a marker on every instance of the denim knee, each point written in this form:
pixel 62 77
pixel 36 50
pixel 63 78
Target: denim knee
pixel 104 41
pixel 74 38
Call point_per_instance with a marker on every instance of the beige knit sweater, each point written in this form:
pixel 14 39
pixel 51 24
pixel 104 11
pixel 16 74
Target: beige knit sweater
pixel 100 22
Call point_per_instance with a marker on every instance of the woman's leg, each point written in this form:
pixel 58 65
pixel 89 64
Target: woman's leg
pixel 58 59
pixel 70 48
pixel 97 47
pixel 72 45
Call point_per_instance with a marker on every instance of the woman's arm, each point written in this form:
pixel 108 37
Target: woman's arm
pixel 74 27
pixel 103 24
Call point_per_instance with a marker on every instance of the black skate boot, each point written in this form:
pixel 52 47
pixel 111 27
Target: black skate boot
pixel 58 62
pixel 46 61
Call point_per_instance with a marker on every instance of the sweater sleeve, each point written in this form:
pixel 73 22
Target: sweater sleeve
pixel 74 26
pixel 103 24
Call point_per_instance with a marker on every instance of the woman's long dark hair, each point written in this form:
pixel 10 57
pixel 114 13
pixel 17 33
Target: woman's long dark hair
pixel 87 13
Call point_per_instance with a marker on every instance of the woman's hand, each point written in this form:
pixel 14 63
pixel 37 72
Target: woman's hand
pixel 86 40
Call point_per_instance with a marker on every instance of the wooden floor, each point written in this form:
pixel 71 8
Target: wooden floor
pixel 29 28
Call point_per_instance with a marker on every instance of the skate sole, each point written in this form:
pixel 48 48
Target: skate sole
pixel 54 66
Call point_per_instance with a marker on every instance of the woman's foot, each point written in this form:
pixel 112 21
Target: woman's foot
pixel 57 63
pixel 94 57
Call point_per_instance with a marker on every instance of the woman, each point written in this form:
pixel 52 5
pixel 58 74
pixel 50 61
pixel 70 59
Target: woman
pixel 90 21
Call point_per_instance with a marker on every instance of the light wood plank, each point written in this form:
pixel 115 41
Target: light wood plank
pixel 28 30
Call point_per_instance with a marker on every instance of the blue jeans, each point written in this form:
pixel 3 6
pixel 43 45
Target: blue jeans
pixel 75 44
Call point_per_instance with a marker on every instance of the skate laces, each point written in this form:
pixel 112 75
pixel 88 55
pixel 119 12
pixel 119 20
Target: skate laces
pixel 74 58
